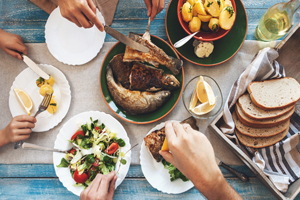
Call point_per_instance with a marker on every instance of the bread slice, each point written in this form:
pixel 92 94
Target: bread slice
pixel 259 132
pixel 275 93
pixel 265 123
pixel 260 142
pixel 254 112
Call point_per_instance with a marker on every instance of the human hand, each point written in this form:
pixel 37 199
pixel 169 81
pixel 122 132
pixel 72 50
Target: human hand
pixel 12 44
pixel 102 188
pixel 80 12
pixel 18 129
pixel 154 7
pixel 193 155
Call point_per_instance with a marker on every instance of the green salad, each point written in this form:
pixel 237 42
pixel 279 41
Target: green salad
pixel 96 150
pixel 174 172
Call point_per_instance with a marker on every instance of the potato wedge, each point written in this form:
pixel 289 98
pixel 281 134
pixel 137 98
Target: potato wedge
pixel 227 18
pixel 213 7
pixel 187 12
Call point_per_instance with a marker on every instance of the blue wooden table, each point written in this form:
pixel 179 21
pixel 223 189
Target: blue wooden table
pixel 38 181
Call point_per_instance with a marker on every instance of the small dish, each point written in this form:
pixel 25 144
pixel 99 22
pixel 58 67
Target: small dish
pixel 148 117
pixel 70 44
pixel 62 143
pixel 26 82
pixel 188 92
pixel 157 175
pixel 224 48
pixel 203 36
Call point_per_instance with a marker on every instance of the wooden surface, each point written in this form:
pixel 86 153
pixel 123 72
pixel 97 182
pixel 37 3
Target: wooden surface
pixel 39 181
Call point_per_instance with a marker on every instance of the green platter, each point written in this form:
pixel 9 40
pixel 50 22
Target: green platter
pixel 149 117
pixel 224 48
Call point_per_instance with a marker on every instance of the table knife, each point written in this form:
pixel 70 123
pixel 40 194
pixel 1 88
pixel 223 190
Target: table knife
pixel 35 68
pixel 125 40
pixel 30 146
pixel 240 175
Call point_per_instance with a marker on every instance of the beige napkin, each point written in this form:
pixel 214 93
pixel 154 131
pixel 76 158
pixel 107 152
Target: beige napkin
pixel 106 7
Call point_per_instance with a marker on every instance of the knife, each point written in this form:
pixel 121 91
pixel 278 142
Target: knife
pixel 35 68
pixel 240 175
pixel 125 40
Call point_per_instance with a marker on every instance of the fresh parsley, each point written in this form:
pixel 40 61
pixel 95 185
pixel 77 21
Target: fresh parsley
pixel 230 10
pixel 209 3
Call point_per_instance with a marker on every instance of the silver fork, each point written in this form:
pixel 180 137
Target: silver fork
pixel 146 35
pixel 43 106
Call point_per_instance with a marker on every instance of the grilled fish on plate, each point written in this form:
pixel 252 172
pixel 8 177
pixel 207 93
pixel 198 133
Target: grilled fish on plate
pixel 135 102
pixel 155 56
pixel 155 140
pixel 138 76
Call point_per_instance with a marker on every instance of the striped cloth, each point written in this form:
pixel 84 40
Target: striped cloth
pixel 281 161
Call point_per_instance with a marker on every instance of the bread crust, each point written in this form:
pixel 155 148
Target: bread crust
pixel 264 107
pixel 261 123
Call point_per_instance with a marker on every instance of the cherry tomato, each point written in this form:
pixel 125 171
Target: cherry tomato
pixel 77 133
pixel 112 148
pixel 72 151
pixel 96 128
pixel 96 163
pixel 80 178
pixel 91 169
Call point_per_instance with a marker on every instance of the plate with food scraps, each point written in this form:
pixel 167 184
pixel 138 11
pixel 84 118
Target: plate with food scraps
pixel 152 116
pixel 157 175
pixel 71 44
pixel 26 81
pixel 224 48
pixel 92 155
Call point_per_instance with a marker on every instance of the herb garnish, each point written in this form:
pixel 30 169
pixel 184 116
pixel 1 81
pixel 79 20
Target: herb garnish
pixel 209 3
pixel 230 10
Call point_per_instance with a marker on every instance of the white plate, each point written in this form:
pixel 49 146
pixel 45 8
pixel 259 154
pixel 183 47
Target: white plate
pixel 26 82
pixel 69 128
pixel 71 44
pixel 157 175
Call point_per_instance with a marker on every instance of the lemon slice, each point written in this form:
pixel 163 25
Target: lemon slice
pixel 24 99
pixel 204 92
pixel 204 108
pixel 194 100
pixel 165 146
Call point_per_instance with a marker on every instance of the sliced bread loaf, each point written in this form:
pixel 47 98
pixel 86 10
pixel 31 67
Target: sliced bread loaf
pixel 275 93
pixel 259 132
pixel 265 123
pixel 254 112
pixel 260 142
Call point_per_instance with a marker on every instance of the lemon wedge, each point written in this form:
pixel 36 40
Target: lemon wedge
pixel 194 100
pixel 24 100
pixel 165 146
pixel 204 108
pixel 204 92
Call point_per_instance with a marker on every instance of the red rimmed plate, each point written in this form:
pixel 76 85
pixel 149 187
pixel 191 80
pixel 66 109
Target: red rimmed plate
pixel 149 117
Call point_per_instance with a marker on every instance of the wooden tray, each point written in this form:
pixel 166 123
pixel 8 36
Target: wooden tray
pixel 289 57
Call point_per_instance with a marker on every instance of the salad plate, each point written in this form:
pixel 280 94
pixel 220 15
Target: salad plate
pixel 224 48
pixel 64 136
pixel 26 81
pixel 157 175
pixel 71 44
pixel 142 118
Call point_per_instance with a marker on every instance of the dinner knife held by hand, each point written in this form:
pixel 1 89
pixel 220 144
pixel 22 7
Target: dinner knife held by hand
pixel 35 68
pixel 125 40
pixel 240 175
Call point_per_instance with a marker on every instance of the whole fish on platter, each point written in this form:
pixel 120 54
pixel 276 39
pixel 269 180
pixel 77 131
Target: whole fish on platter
pixel 135 102
pixel 138 76
pixel 155 56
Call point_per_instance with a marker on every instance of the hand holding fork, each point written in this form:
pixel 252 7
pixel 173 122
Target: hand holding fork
pixel 43 106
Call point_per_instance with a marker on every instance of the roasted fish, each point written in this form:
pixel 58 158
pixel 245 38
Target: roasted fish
pixel 138 76
pixel 154 141
pixel 135 102
pixel 155 56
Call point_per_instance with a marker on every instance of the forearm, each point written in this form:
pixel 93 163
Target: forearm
pixel 219 188
pixel 3 138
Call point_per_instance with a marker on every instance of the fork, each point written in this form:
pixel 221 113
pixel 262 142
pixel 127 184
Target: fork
pixel 43 106
pixel 146 35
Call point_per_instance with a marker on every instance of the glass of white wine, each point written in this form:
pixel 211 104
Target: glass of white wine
pixel 276 21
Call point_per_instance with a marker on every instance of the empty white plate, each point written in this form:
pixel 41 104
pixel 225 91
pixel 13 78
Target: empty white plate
pixel 71 44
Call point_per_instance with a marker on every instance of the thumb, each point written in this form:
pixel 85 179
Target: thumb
pixel 167 156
